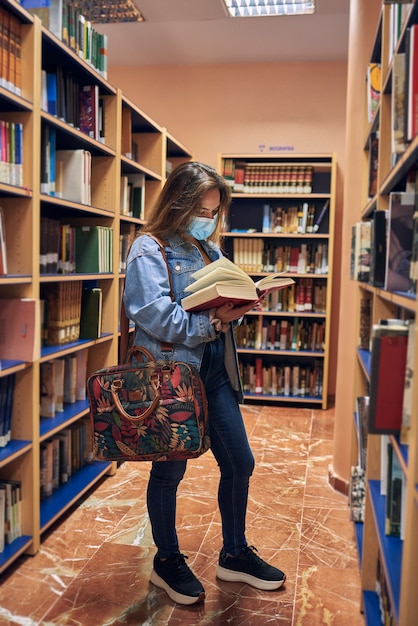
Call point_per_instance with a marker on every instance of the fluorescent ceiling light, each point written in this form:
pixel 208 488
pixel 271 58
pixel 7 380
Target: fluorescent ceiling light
pixel 262 8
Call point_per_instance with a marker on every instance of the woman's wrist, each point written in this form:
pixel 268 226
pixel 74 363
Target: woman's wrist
pixel 217 323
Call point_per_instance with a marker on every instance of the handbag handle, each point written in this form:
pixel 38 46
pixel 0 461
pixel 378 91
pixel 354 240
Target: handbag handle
pixel 124 321
pixel 116 385
pixel 141 351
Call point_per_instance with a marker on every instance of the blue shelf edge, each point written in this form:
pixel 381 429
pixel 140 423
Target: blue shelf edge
pixel 13 549
pixel 49 424
pixel 365 357
pixel 12 447
pixel 69 492
pixel 371 608
pixel 391 548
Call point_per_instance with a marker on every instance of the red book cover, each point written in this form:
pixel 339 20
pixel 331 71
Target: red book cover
pixel 20 323
pixel 387 378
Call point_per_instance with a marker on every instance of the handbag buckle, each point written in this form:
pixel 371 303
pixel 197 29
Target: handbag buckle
pixel 165 373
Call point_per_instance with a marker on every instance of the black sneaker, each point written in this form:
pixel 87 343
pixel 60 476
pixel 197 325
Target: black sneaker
pixel 248 568
pixel 176 578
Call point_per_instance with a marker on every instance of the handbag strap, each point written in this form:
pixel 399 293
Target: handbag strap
pixel 124 321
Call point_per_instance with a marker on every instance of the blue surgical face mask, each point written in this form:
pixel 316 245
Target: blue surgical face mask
pixel 202 227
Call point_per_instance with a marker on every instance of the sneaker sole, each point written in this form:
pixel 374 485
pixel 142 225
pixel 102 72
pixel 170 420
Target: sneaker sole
pixel 175 595
pixel 231 576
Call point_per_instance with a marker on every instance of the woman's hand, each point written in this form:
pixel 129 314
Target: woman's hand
pixel 228 313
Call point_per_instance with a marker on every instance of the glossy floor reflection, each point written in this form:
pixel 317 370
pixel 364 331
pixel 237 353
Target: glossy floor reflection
pixel 93 567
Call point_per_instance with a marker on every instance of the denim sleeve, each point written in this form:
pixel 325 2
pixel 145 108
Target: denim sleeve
pixel 148 302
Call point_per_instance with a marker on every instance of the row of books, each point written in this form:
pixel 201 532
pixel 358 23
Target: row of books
pixel 392 487
pixel 267 177
pixel 63 455
pixel 11 153
pixel 404 112
pixel 64 173
pixel 283 334
pixel 305 218
pixel 67 249
pixel 303 297
pixel 256 255
pixel 10 511
pixel 7 386
pixel 79 105
pixel 384 249
pixel 63 381
pixel 132 195
pixel 70 312
pixel 10 51
pixel 65 19
pixel 298 381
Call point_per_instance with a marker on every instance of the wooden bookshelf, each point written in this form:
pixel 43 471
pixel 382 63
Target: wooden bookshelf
pixel 291 186
pixel 398 556
pixel 127 141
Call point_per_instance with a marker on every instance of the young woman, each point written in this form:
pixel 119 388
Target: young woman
pixel 188 219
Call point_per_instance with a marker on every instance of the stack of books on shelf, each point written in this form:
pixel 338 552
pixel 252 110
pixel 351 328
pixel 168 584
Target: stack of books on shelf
pixel 267 177
pixel 79 105
pixel 257 255
pixel 11 153
pixel 64 454
pixel 64 18
pixel 132 195
pixel 382 250
pixel 10 511
pixel 11 47
pixel 299 218
pixel 7 387
pixel 270 334
pixel 61 312
pixel 297 380
pixel 63 382
pixel 67 249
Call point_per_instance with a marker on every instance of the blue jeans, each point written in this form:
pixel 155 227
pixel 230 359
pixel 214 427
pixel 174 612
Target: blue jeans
pixel 231 450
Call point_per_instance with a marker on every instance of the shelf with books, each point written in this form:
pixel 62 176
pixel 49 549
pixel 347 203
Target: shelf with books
pixel 282 220
pixel 142 150
pixel 387 325
pixel 77 299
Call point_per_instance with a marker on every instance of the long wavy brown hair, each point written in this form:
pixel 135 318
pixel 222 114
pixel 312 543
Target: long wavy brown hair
pixel 180 200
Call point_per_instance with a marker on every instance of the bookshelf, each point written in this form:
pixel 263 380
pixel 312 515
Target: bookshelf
pixel 282 219
pixel 119 140
pixel 391 173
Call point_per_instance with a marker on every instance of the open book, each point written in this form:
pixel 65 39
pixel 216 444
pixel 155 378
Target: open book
pixel 222 281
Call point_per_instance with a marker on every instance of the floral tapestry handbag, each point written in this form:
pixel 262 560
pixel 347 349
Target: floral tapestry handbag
pixel 147 410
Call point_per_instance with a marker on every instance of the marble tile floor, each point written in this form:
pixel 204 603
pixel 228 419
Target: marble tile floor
pixel 93 566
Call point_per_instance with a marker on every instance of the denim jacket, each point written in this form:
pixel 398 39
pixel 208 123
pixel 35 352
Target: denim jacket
pixel 157 317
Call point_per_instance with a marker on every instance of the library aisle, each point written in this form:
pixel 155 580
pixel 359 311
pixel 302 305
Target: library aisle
pixel 93 568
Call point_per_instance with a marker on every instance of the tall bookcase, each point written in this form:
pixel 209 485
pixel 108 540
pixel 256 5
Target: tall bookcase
pixel 282 219
pixel 386 172
pixel 129 143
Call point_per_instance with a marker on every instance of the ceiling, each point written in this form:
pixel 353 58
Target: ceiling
pixel 196 32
